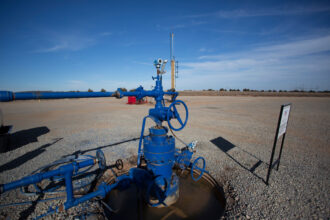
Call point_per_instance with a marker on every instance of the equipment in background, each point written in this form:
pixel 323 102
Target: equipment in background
pixel 132 100
pixel 154 175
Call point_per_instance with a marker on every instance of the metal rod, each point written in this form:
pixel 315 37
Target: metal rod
pixel 274 146
pixel 171 45
pixel 279 156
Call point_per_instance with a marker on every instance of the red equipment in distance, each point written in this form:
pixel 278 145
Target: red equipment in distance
pixel 132 100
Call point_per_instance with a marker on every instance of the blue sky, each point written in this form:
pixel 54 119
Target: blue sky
pixel 76 45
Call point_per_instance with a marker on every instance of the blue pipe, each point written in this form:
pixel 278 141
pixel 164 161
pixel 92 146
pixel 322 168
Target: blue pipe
pixel 6 96
pixel 140 177
pixel 63 170
pixel 158 179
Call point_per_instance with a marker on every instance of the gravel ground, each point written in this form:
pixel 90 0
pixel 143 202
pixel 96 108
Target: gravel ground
pixel 234 134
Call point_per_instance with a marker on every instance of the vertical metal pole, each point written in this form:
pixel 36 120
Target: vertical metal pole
pixel 171 46
pixel 279 156
pixel 274 147
pixel 172 63
pixel 172 74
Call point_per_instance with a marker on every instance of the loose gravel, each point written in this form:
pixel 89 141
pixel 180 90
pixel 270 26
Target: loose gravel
pixel 234 134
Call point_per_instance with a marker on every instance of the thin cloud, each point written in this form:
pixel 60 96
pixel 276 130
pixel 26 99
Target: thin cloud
pixel 76 84
pixel 142 63
pixel 104 34
pixel 189 24
pixel 273 66
pixel 299 48
pixel 204 49
pixel 71 41
pixel 243 13
pixel 284 50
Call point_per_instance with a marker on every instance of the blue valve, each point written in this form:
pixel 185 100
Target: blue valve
pixel 172 111
pixel 196 167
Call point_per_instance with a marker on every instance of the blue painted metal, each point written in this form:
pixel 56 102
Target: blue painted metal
pixel 158 179
pixel 67 171
pixel 159 154
pixel 6 96
pixel 175 114
pixel 195 166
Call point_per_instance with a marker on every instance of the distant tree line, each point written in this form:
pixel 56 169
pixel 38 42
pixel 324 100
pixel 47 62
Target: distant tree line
pixel 220 90
pixel 103 90
pixel 269 90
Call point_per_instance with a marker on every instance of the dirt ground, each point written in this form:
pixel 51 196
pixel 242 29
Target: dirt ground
pixel 234 133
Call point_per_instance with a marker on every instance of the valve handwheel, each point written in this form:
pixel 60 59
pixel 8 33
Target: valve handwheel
pixel 175 114
pixel 119 164
pixel 196 167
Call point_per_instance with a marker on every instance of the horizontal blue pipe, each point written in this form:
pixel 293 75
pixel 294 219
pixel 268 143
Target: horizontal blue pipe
pixel 6 96
pixel 69 168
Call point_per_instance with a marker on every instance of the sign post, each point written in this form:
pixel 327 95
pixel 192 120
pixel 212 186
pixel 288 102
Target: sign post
pixel 280 131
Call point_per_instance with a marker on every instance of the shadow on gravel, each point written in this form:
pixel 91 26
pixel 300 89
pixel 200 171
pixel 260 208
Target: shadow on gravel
pixel 25 213
pixel 87 188
pixel 224 145
pixel 80 152
pixel 24 137
pixel 26 157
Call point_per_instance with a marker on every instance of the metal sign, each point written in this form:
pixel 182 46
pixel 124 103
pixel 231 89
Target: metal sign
pixel 281 130
pixel 284 120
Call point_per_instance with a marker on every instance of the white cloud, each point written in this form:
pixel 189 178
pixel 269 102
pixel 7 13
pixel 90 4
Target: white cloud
pixel 189 24
pixel 75 84
pixel 142 63
pixel 204 49
pixel 244 13
pixel 273 66
pixel 298 48
pixel 70 41
pixel 104 34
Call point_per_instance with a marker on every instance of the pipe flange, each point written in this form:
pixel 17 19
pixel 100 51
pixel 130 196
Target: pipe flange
pixel 101 159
